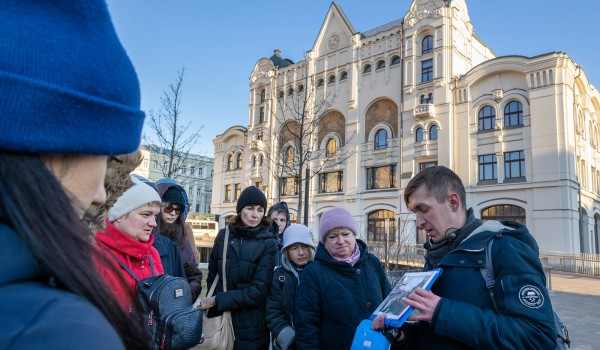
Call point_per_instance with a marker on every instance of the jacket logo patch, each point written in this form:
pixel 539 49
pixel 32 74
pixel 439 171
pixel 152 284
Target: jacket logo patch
pixel 531 297
pixel 178 293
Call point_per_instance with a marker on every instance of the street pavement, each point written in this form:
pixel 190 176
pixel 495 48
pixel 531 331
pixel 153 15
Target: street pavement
pixel 576 299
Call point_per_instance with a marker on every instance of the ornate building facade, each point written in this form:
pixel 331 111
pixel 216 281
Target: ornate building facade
pixel 521 132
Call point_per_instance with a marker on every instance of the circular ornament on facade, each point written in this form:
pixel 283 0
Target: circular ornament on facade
pixel 334 42
pixel 531 297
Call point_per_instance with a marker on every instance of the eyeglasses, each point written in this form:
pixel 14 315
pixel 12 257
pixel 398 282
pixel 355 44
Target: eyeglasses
pixel 169 209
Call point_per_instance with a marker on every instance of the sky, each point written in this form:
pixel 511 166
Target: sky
pixel 219 42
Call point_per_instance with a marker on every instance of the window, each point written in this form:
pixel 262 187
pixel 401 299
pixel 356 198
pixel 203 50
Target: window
pixel 381 139
pixel 425 165
pixel 320 82
pixel 331 79
pixel 487 118
pixel 261 115
pixel 192 171
pixel 433 132
pixel 230 162
pixel 488 167
pixel 289 155
pixel 290 91
pixel 300 88
pixel 263 94
pixel 280 95
pixel 237 191
pixel 381 64
pixel 395 60
pixel 238 161
pixel 260 160
pixel 253 161
pixel 427 99
pixel 367 69
pixel 227 193
pixel 199 191
pixel 289 186
pixel 211 173
pixel 504 212
pixel 331 182
pixel 155 164
pixel 514 164
pixel 331 148
pixel 200 171
pixel 426 71
pixel 513 114
pixel 381 177
pixel 427 45
pixel 184 170
pixel 381 226
pixel 419 135
pixel 344 76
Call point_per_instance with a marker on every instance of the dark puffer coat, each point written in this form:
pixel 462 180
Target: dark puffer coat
pixel 334 297
pixel 35 315
pixel 249 265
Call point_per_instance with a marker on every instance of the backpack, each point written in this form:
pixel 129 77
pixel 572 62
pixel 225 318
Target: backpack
pixel 166 309
pixel 562 334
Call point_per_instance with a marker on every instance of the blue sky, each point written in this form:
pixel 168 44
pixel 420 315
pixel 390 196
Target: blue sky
pixel 218 43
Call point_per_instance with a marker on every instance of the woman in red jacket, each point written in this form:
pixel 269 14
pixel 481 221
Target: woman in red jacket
pixel 128 237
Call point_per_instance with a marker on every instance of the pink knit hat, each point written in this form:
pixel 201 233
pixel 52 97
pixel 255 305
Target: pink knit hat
pixel 334 218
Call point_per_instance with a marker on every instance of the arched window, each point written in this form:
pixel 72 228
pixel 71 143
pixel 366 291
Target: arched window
pixel 290 91
pixel 331 148
pixel 381 64
pixel 280 95
pixel 433 132
pixel 419 135
pixel 320 82
pixel 513 114
pixel 487 118
pixel 331 79
pixel 395 60
pixel 427 45
pixel 381 139
pixel 344 76
pixel 238 161
pixel 260 160
pixel 253 161
pixel 367 69
pixel 300 88
pixel 289 155
pixel 381 226
pixel 263 94
pixel 230 162
pixel 504 212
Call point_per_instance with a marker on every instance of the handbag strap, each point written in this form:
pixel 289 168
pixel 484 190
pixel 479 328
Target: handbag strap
pixel 127 268
pixel 214 284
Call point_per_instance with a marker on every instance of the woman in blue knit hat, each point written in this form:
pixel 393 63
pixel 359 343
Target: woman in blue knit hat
pixel 342 287
pixel 69 101
pixel 249 269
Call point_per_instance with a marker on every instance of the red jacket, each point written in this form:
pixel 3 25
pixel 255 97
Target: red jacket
pixel 133 254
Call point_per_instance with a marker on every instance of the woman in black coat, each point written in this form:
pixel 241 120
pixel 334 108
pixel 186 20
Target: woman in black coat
pixel 249 269
pixel 298 251
pixel 343 286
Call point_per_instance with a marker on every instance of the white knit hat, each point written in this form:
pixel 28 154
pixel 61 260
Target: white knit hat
pixel 135 197
pixel 297 233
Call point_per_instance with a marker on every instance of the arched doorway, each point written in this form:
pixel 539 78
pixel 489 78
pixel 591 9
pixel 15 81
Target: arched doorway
pixel 596 233
pixel 584 239
pixel 381 226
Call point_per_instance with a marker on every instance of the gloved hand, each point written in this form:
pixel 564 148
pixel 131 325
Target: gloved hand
pixel 285 338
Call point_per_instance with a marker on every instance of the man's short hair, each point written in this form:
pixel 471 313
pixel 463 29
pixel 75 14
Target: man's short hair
pixel 439 181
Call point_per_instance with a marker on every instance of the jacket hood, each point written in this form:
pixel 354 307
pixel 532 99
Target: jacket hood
pixel 164 186
pixel 18 264
pixel 519 231
pixel 323 256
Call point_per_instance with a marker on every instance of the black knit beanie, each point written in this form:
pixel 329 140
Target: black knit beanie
pixel 174 196
pixel 251 195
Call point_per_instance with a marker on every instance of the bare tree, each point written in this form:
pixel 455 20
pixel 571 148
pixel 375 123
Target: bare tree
pixel 296 157
pixel 172 135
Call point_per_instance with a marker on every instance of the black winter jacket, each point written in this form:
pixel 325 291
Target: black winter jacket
pixel 280 303
pixel 169 256
pixel 334 297
pixel 249 264
pixel 35 315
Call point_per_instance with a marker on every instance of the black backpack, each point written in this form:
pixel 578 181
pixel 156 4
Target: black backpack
pixel 166 309
pixel 562 334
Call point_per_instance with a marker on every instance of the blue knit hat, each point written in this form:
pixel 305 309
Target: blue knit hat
pixel 66 83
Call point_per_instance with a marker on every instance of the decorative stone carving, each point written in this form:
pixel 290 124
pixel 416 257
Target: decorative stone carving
pixel 498 94
pixel 421 9
pixel 333 42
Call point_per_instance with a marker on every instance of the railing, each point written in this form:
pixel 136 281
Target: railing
pixel 582 263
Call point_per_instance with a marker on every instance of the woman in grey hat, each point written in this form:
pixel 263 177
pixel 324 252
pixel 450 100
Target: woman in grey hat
pixel 297 252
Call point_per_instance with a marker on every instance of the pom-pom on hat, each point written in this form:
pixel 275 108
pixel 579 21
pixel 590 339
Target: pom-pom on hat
pixel 66 83
pixel 296 233
pixel 249 196
pixel 334 218
pixel 136 196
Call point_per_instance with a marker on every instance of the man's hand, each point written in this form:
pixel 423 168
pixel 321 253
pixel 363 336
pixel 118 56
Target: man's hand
pixel 425 302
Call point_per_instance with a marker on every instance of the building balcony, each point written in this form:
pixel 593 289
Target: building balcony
pixel 257 145
pixel 424 111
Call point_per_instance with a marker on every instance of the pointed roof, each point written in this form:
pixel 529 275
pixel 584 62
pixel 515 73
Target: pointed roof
pixel 336 10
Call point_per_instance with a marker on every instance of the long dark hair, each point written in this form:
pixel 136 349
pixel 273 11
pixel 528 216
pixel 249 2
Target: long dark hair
pixel 57 238
pixel 174 231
